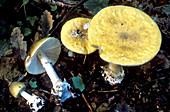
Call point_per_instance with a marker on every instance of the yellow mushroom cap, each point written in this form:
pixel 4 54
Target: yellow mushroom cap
pixel 125 35
pixel 74 36
pixel 50 46
pixel 15 88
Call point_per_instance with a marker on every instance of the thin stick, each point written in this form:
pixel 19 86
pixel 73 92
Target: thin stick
pixel 84 59
pixel 68 13
pixel 22 76
pixel 65 2
pixel 109 91
pixel 45 91
pixel 37 7
pixel 25 12
pixel 8 81
pixel 87 103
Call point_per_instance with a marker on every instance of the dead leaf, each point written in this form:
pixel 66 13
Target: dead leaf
pixel 103 107
pixel 37 36
pixel 17 44
pixel 164 60
pixel 148 79
pixel 8 52
pixel 4 46
pixel 46 23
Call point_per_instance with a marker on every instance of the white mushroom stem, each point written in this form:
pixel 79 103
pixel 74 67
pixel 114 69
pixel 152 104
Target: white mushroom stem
pixel 48 67
pixel 59 88
pixel 25 95
pixel 113 73
pixel 35 102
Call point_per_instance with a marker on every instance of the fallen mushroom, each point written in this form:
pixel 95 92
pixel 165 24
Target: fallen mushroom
pixel 43 54
pixel 35 102
pixel 124 36
pixel 74 36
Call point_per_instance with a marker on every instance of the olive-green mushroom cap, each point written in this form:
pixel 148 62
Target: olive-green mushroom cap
pixel 15 88
pixel 50 46
pixel 125 35
pixel 74 36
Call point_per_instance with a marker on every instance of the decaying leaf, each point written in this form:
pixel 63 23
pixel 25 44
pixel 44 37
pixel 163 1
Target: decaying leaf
pixel 8 52
pixel 103 107
pixel 46 23
pixel 17 44
pixel 167 9
pixel 4 45
pixel 37 36
pixel 164 60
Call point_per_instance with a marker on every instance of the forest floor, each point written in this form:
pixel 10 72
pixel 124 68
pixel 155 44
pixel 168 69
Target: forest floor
pixel 144 88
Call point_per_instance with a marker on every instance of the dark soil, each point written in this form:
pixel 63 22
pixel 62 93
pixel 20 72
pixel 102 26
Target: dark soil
pixel 144 88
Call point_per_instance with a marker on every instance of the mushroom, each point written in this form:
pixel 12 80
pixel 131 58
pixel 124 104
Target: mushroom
pixel 124 35
pixel 74 35
pixel 35 102
pixel 113 73
pixel 43 54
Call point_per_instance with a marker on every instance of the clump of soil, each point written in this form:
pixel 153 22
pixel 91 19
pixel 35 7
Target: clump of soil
pixel 9 68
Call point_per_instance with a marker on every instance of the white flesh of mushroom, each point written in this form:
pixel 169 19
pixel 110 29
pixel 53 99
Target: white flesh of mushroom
pixel 59 88
pixel 34 101
pixel 113 73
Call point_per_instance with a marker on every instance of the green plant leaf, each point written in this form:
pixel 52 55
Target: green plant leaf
pixel 96 5
pixel 26 31
pixel 20 23
pixel 78 10
pixel 105 3
pixel 33 83
pixel 78 83
pixel 25 2
pixel 36 0
pixel 53 7
pixel 167 9
pixel 32 19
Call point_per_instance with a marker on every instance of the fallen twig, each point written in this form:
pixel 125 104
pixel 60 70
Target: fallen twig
pixel 21 76
pixel 7 80
pixel 84 59
pixel 45 91
pixel 67 2
pixel 87 103
pixel 109 91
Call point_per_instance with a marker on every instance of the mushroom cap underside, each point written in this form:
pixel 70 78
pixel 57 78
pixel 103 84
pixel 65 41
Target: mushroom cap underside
pixel 50 46
pixel 15 88
pixel 74 35
pixel 124 35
